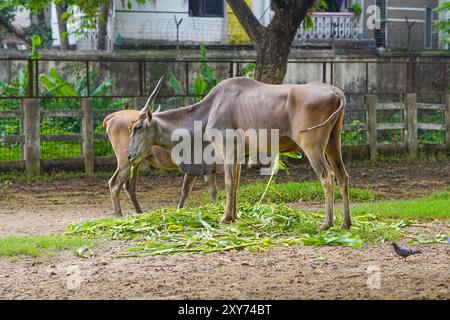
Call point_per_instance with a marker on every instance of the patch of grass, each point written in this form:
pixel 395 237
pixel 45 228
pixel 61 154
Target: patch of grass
pixel 436 206
pixel 297 191
pixel 12 246
pixel 196 230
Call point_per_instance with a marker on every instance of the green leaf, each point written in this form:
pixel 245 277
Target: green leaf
pixel 101 89
pixel 57 85
pixel 173 83
pixel 308 23
pixel 36 40
pixel 65 15
pixel 199 86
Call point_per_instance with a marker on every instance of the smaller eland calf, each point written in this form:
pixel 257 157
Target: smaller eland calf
pixel 117 127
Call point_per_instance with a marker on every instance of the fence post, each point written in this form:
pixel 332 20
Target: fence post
pixel 447 121
pixel 88 135
pixel 138 103
pixel 371 108
pixel 411 123
pixel 31 131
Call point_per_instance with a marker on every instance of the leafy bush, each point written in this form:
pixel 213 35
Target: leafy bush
pixel 202 84
pixel 353 137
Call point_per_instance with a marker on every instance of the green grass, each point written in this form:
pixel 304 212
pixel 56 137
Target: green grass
pixel 436 206
pixel 284 192
pixel 12 246
pixel 196 230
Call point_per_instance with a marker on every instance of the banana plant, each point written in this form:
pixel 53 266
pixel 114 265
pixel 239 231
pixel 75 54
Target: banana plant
pixel 56 85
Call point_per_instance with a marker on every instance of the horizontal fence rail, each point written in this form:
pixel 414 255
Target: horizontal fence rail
pixel 51 111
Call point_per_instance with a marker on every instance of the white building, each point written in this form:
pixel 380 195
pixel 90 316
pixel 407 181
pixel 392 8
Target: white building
pixel 213 22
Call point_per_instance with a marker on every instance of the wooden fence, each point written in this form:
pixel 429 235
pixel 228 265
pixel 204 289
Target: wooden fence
pixel 30 138
pixel 31 115
pixel 410 125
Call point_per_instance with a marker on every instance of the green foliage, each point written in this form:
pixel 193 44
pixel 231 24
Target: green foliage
pixel 277 165
pixel 36 41
pixel 353 137
pixel 7 11
pixel 308 23
pixel 57 85
pixel 248 71
pixel 203 82
pixel 259 227
pixel 356 8
pixel 13 246
pixel 19 87
pixel 43 31
pixel 206 80
pixel 444 24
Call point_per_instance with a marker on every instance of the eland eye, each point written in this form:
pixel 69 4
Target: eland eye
pixel 138 127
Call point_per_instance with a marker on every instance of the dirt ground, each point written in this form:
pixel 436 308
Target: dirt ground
pixel 371 272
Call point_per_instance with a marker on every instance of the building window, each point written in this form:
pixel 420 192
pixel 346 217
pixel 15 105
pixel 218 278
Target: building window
pixel 206 8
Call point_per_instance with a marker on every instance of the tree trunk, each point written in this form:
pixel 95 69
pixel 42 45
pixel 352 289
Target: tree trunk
pixel 102 27
pixel 62 28
pixel 271 59
pixel 272 43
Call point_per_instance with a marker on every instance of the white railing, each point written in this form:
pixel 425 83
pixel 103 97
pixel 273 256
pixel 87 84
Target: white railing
pixel 331 25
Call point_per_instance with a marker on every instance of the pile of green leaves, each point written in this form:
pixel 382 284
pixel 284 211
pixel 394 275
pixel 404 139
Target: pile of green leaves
pixel 260 226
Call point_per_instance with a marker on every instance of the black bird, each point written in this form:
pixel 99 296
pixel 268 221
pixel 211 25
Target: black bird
pixel 403 251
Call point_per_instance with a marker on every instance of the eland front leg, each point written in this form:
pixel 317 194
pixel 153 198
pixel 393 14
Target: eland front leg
pixel 232 174
pixel 186 188
pixel 212 186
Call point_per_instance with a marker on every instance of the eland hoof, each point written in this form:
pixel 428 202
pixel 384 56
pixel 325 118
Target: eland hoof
pixel 325 227
pixel 346 226
pixel 226 220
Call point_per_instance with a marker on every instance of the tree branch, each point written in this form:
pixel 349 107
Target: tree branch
pixel 290 13
pixel 13 29
pixel 247 19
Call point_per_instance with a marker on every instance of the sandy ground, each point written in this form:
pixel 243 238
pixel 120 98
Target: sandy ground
pixel 371 272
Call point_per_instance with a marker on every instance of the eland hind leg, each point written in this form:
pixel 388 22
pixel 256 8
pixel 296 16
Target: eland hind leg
pixel 334 156
pixel 316 156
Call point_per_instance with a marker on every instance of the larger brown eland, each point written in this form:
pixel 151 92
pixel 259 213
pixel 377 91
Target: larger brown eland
pixel 309 116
